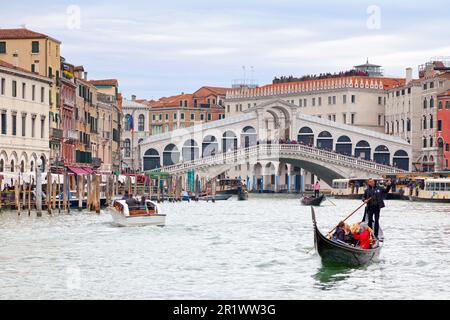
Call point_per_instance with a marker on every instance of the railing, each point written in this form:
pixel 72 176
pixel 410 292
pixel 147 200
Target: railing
pixel 56 133
pixel 277 151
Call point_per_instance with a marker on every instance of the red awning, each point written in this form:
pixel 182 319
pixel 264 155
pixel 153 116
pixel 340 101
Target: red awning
pixel 77 170
pixel 88 170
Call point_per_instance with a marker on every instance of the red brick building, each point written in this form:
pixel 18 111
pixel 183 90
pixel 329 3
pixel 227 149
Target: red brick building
pixel 443 129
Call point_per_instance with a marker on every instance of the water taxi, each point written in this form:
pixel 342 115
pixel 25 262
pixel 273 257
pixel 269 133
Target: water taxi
pixel 431 190
pixel 348 188
pixel 133 212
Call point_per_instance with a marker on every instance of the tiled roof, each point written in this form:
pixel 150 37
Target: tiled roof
pixel 105 82
pixel 5 64
pixel 21 33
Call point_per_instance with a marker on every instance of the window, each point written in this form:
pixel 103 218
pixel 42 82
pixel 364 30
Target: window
pixel 3 122
pixel 353 118
pixel 14 88
pixel 23 90
pixel 334 99
pixel 42 94
pixel 431 85
pixel 320 101
pixel 33 67
pixel 14 124
pixel 344 117
pixel 329 100
pixel 154 117
pixel 127 147
pixel 305 104
pixel 2 47
pixel 431 103
pixel 141 122
pixel 353 98
pixel 175 116
pixel 24 122
pixel 35 47
pixel 344 99
pixel 380 119
pixel 160 117
pixel 313 102
pixel 202 117
pixel 431 121
pixel 209 116
pixel 380 100
pixel 440 105
pixel 193 116
pixel 425 103
pixel 182 116
pixel 42 127
pixel 167 117
pixel 439 125
pixel 2 86
pixel 33 125
pixel 300 103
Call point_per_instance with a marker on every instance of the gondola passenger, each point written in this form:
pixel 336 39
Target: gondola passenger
pixel 339 234
pixel 348 236
pixel 362 234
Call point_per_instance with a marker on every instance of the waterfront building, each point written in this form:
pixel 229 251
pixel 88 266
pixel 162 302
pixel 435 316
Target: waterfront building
pixel 24 125
pixel 353 97
pixel 443 130
pixel 134 133
pixel 411 112
pixel 109 122
pixel 40 54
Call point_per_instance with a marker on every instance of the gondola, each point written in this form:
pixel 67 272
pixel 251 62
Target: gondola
pixel 339 253
pixel 313 201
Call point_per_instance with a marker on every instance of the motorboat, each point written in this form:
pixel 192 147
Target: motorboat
pixel 134 212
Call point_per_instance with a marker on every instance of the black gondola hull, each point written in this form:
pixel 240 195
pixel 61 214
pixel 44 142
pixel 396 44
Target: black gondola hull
pixel 334 253
pixel 313 201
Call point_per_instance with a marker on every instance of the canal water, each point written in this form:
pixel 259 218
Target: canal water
pixel 256 249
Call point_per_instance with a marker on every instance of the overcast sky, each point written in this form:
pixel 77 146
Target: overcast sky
pixel 161 48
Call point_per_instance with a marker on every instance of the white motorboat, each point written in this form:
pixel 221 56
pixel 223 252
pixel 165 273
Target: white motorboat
pixel 132 212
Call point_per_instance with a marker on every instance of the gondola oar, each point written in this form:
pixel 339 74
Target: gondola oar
pixel 348 217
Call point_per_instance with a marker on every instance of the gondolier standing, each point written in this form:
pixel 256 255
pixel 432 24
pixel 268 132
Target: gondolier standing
pixel 374 198
pixel 317 189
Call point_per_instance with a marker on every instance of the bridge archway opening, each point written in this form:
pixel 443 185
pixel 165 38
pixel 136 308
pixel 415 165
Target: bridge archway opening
pixel 210 146
pixel 382 155
pixel 190 150
pixel 344 145
pixel 269 176
pixel 363 150
pixel 401 160
pixel 229 141
pixel 151 159
pixel 305 136
pixel 325 141
pixel 171 155
pixel 248 137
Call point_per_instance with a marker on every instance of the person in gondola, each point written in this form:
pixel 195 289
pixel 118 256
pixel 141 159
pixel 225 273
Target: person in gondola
pixel 339 234
pixel 362 234
pixel 374 198
pixel 348 235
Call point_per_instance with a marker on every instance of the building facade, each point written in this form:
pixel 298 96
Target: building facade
pixel 24 125
pixel 40 54
pixel 411 113
pixel 443 130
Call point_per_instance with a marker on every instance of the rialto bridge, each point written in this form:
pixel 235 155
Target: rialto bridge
pixel 273 145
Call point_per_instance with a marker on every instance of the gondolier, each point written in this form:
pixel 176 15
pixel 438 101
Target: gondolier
pixel 374 198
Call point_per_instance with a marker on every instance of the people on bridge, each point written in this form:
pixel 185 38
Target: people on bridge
pixel 374 198
pixel 317 188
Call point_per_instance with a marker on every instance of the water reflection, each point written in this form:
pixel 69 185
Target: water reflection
pixel 329 276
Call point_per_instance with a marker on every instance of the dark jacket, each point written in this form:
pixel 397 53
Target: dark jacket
pixel 377 195
pixel 339 234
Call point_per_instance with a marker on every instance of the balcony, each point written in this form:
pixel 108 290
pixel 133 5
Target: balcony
pixel 71 135
pixel 96 162
pixel 56 134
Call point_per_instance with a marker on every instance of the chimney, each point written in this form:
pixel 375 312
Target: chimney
pixel 409 72
pixel 133 97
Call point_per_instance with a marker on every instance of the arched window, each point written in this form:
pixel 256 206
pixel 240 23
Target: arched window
pixel 424 140
pixel 141 122
pixel 190 150
pixel 31 166
pixel 2 165
pixel 424 122
pixel 425 103
pixel 431 142
pixel 431 121
pixel 22 166
pixel 305 136
pixel 382 155
pixel 171 155
pixel 210 146
pixel 431 103
pixel 401 160
pixel 408 125
pixel 344 145
pixel 440 144
pixel 128 122
pixel 325 140
pixel 151 160
pixel 363 150
pixel 11 166
pixel 248 137
pixel 398 126
pixel 229 141
pixel 127 148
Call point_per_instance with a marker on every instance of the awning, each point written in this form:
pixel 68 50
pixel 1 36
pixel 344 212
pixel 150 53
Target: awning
pixel 88 170
pixel 77 170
